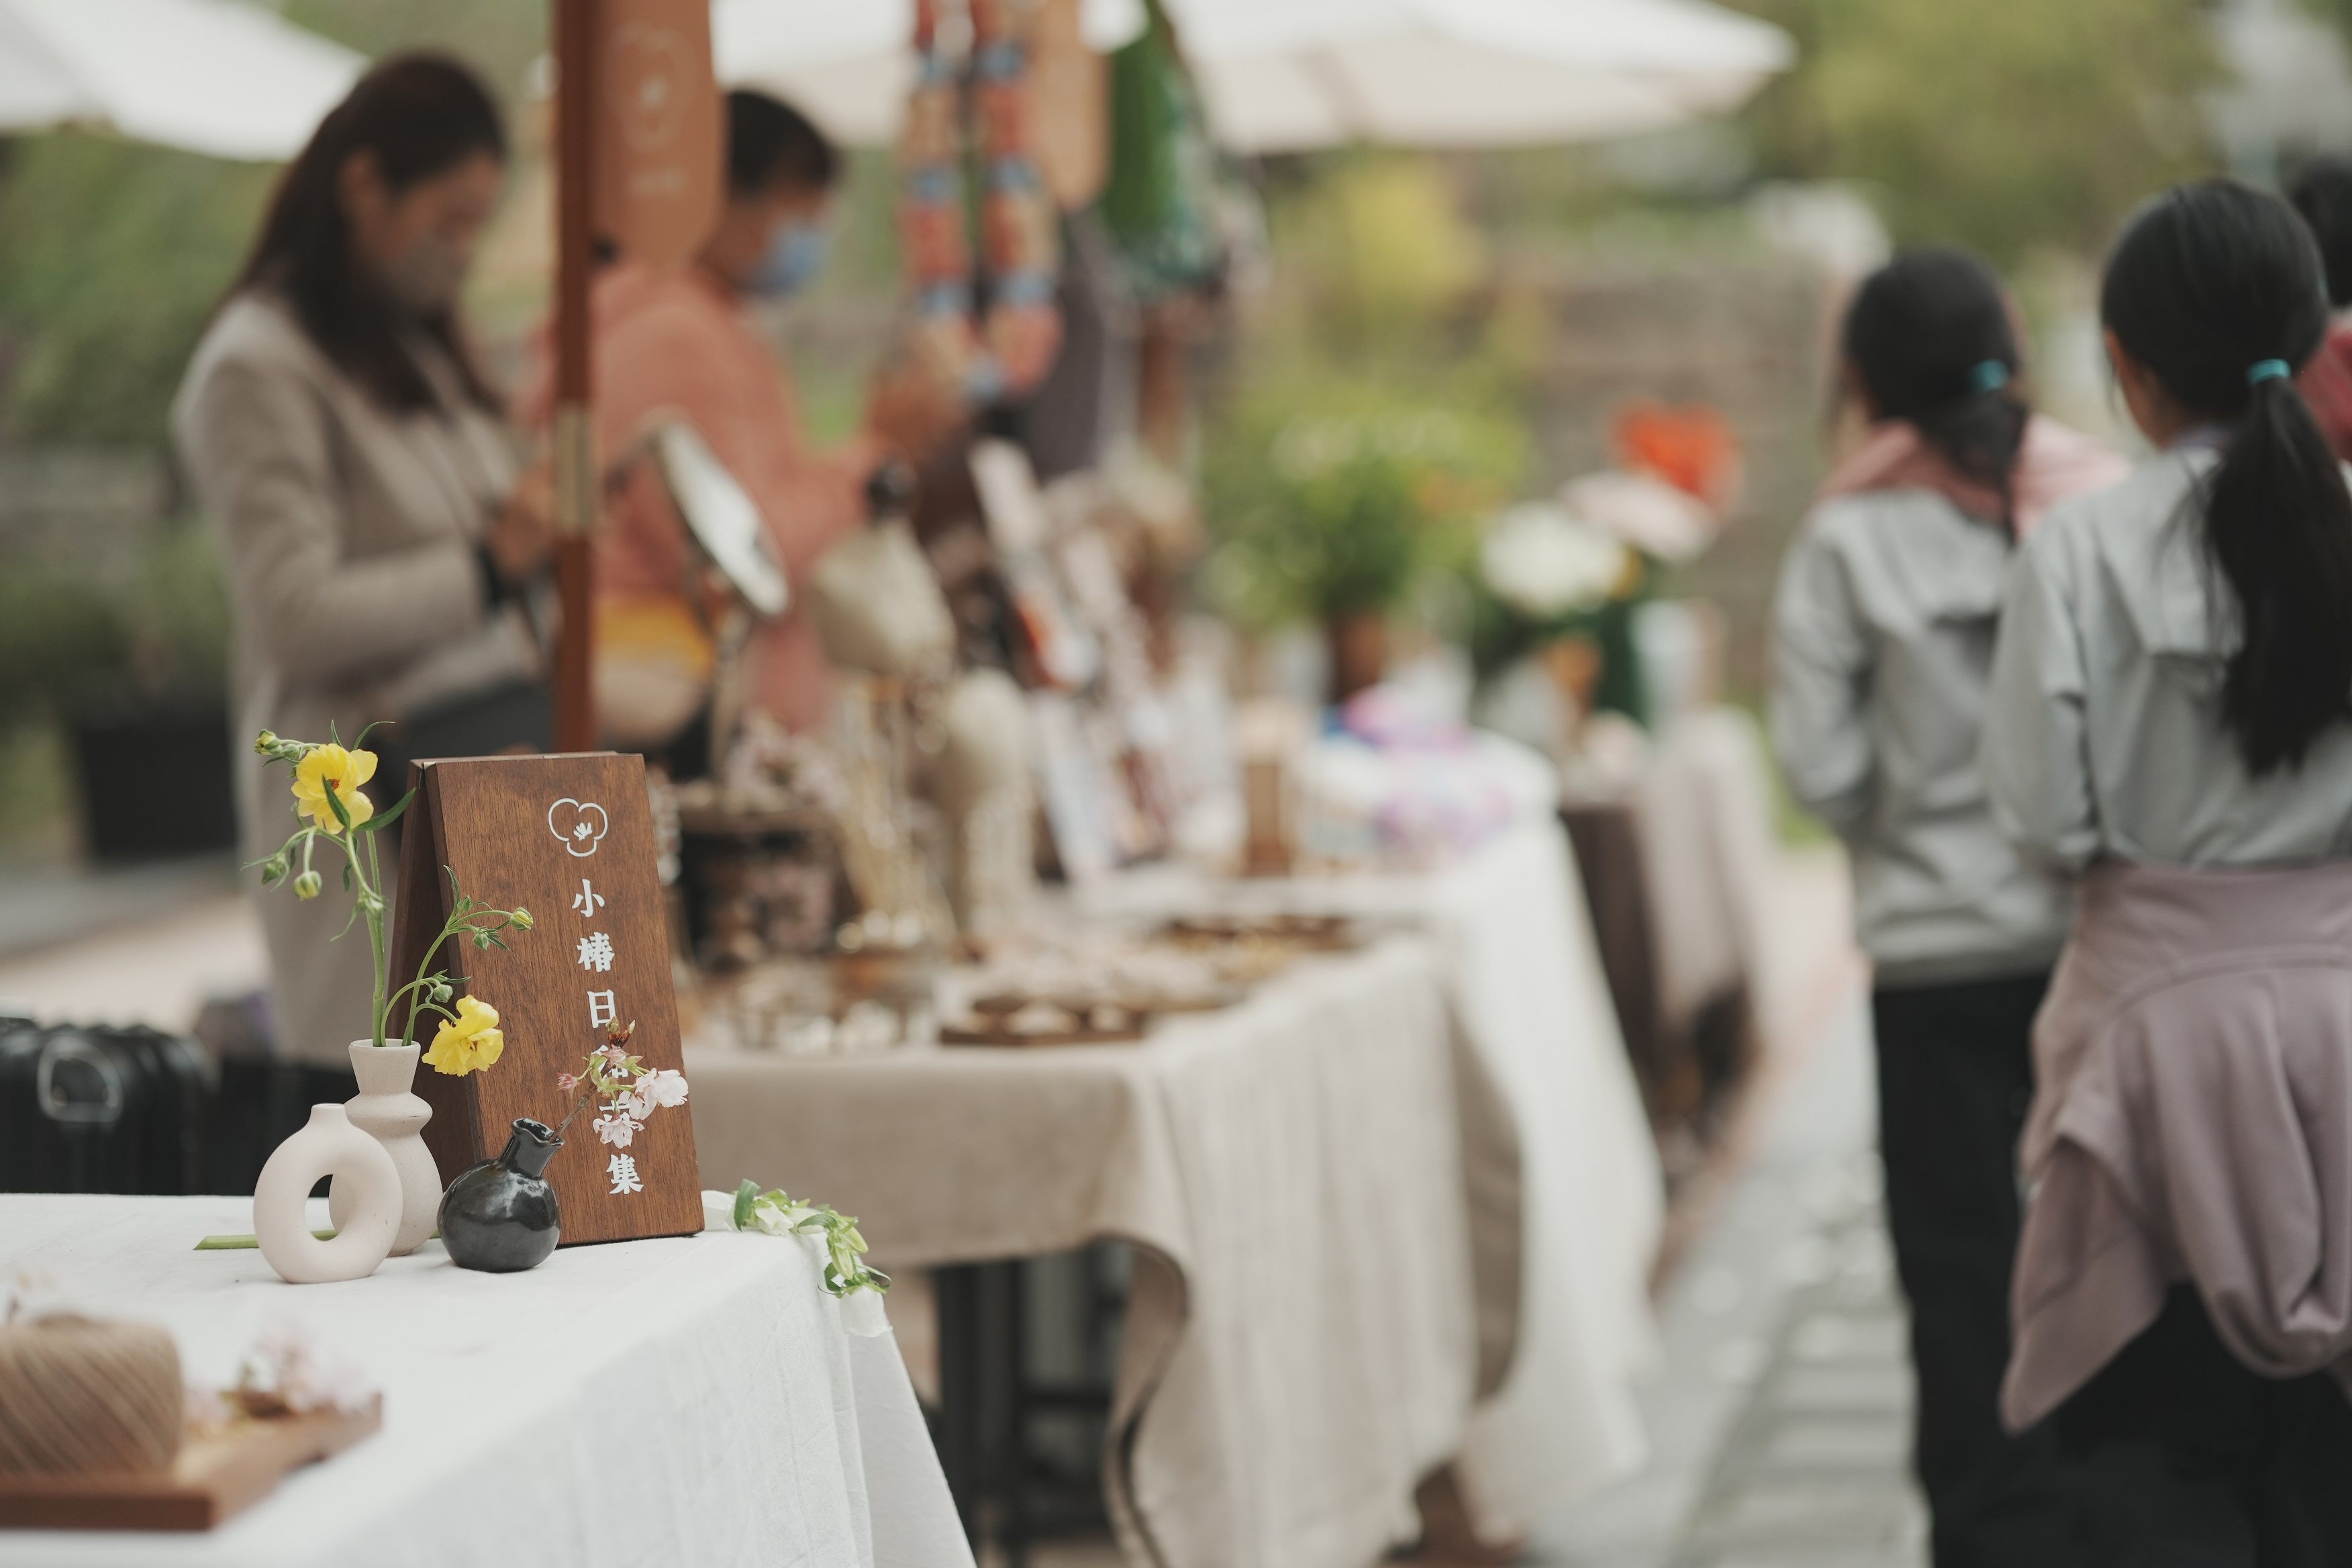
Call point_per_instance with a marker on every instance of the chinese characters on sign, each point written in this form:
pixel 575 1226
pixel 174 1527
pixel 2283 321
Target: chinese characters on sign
pixel 590 1020
pixel 579 826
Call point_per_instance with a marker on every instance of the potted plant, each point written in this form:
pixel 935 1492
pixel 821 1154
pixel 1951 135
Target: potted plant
pixel 1336 513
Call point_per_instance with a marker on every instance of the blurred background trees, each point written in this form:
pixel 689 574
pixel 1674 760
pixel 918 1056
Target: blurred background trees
pixel 1518 295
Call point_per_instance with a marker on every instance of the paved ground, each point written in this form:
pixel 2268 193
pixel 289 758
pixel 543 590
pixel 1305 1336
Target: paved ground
pixel 1780 1417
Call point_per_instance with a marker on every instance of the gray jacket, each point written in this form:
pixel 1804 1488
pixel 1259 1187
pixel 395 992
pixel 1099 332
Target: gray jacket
pixel 349 534
pixel 1883 647
pixel 2104 736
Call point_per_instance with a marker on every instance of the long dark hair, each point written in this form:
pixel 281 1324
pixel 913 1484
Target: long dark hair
pixel 421 115
pixel 2218 289
pixel 1929 334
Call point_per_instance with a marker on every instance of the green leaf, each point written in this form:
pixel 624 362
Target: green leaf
pixel 335 804
pixel 244 1243
pixel 361 739
pixel 385 819
pixel 745 1195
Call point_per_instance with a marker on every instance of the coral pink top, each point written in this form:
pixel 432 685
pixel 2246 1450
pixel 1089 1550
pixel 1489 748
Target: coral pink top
pixel 2326 383
pixel 680 343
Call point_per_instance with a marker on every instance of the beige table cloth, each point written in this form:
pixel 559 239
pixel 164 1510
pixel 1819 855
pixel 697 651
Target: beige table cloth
pixel 1300 1346
pixel 1567 1198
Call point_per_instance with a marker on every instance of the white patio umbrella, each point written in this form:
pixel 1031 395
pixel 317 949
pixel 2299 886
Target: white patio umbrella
pixel 848 64
pixel 217 77
pixel 1290 75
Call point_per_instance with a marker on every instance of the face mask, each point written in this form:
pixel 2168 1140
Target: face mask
pixel 795 255
pixel 425 279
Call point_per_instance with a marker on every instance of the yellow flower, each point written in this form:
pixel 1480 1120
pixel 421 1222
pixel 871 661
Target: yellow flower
pixel 471 1043
pixel 333 768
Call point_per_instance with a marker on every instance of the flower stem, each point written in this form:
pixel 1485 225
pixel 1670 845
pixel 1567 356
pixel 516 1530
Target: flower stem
pixel 380 966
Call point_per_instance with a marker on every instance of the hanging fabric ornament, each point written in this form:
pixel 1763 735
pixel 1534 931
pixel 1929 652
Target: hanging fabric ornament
pixel 1007 352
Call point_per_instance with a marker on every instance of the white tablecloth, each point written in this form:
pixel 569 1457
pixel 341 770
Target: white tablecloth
pixel 1299 1347
pixel 1526 980
pixel 697 1400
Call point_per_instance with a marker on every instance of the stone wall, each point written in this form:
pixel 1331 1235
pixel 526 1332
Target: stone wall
pixel 1746 336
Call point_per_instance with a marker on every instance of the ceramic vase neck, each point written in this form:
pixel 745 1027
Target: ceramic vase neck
pixel 533 1145
pixel 384 1070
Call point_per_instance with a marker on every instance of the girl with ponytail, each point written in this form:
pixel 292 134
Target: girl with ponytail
pixel 1888 605
pixel 2169 720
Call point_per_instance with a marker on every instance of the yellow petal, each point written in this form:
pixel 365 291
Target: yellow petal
pixel 361 767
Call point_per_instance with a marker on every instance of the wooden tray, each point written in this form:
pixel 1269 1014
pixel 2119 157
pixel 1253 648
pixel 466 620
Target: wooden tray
pixel 213 1479
pixel 987 1030
pixel 1299 932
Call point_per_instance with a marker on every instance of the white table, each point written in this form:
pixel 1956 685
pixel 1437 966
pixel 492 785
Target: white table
pixel 1299 1346
pixel 697 1400
pixel 1576 1164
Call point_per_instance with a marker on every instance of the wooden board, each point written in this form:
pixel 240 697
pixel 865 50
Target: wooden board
pixel 570 838
pixel 214 1478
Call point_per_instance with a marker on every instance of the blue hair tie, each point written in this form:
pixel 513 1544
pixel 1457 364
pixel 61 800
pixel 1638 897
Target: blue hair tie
pixel 1990 376
pixel 2268 370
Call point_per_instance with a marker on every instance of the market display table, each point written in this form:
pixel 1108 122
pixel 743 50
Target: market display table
pixel 1299 1345
pixel 1397 1208
pixel 1567 1198
pixel 693 1400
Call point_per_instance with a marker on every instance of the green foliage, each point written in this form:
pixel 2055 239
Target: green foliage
pixel 1383 237
pixel 2009 125
pixel 69 639
pixel 112 255
pixel 498 38
pixel 54 629
pixel 776 1213
pixel 1332 495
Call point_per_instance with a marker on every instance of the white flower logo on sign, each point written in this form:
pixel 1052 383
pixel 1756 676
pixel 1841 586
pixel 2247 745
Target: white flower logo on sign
pixel 580 828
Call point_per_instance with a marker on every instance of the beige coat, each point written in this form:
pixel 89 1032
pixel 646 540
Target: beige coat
pixel 348 531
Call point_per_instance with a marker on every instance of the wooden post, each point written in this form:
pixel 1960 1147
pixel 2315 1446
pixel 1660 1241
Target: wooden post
pixel 574 425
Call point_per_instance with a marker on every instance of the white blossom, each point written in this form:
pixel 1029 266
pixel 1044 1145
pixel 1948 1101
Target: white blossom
pixel 1543 562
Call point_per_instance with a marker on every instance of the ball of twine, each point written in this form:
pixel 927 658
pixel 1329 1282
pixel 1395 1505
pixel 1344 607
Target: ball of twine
pixel 81 1395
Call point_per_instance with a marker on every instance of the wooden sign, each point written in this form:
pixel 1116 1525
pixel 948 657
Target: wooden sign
pixel 660 143
pixel 570 839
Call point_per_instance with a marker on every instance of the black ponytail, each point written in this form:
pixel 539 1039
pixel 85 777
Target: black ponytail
pixel 1930 337
pixel 2218 289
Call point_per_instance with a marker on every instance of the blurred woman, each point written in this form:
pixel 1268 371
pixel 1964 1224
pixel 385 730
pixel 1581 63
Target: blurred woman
pixel 2169 716
pixel 352 456
pixel 1885 621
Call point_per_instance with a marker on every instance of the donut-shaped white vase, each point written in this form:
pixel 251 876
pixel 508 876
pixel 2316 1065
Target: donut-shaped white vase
pixel 327 1145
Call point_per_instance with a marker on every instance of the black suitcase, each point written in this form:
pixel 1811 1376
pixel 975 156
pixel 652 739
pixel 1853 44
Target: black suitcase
pixel 101 1110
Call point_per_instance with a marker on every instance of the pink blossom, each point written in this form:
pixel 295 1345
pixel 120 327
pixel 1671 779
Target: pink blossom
pixel 616 1129
pixel 634 1105
pixel 565 1083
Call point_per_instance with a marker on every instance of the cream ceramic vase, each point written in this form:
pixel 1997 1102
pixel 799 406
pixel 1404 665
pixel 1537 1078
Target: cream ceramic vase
pixel 327 1145
pixel 387 1110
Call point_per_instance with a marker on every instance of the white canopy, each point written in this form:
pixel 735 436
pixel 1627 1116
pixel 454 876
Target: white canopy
pixel 1290 75
pixel 848 63
pixel 217 77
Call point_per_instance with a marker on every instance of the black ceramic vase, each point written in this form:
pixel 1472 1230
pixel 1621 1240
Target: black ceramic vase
pixel 500 1217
